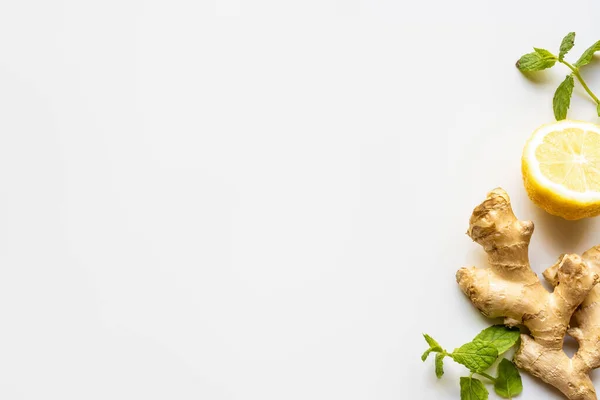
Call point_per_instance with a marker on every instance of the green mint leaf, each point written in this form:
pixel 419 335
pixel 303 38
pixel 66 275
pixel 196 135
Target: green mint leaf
pixel 567 44
pixel 439 365
pixel 476 355
pixel 431 342
pixel 508 383
pixel 544 53
pixel 587 55
pixel 538 60
pixel 500 337
pixel 562 98
pixel 426 354
pixel 472 389
pixel 433 347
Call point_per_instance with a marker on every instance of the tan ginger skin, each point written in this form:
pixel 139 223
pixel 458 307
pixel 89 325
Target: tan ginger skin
pixel 510 289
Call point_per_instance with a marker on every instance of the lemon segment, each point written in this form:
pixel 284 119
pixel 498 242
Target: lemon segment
pixel 561 168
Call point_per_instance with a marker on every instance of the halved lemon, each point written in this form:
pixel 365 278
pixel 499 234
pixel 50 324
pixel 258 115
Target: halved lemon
pixel 561 169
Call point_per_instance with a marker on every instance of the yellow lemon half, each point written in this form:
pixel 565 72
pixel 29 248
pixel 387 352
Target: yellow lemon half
pixel 561 168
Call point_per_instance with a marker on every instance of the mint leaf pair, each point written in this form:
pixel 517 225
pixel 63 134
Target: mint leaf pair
pixel 478 356
pixel 508 384
pixel 434 347
pixel 542 59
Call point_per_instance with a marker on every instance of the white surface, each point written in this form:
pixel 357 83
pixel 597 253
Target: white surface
pixel 270 205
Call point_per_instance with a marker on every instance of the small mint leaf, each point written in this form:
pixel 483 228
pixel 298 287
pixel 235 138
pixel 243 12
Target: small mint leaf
pixel 433 347
pixel 587 55
pixel 472 389
pixel 439 365
pixel 567 44
pixel 508 383
pixel 562 98
pixel 538 60
pixel 431 342
pixel 426 354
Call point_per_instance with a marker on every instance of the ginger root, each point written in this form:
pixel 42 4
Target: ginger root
pixel 510 289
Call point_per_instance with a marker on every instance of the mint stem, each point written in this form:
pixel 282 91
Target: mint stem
pixel 580 79
pixel 491 378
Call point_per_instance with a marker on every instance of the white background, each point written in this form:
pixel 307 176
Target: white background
pixel 267 200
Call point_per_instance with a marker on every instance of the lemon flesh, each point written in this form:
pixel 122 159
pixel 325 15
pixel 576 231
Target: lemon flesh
pixel 561 169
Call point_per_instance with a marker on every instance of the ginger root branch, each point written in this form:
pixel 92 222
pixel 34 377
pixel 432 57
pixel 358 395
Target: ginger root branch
pixel 510 289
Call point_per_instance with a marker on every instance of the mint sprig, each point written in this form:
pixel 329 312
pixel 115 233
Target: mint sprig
pixel 542 59
pixel 478 355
